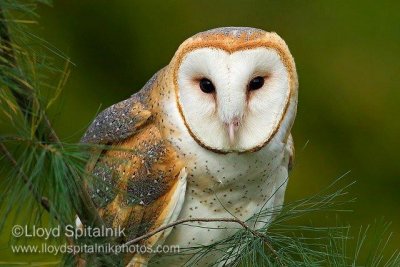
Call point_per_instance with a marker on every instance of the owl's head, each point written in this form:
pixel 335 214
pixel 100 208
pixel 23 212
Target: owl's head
pixel 235 88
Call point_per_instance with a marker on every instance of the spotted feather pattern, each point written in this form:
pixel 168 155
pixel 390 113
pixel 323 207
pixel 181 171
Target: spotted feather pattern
pixel 132 180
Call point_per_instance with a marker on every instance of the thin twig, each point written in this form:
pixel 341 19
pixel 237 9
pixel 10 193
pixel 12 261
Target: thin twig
pixel 42 200
pixel 233 220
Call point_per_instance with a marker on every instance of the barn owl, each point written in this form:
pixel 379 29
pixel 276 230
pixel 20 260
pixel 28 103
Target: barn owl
pixel 208 136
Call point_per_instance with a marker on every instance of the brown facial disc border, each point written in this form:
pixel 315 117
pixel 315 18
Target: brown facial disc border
pixel 219 43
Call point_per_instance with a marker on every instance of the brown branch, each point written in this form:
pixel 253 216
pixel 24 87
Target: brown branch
pixel 42 200
pixel 233 220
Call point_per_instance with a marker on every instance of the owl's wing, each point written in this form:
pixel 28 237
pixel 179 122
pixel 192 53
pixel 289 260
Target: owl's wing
pixel 117 122
pixel 282 174
pixel 290 151
pixel 140 183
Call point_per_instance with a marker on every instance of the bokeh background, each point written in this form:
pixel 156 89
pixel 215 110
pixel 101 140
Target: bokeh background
pixel 347 57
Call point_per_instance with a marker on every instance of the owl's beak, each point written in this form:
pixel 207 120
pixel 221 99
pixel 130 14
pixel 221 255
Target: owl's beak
pixel 233 126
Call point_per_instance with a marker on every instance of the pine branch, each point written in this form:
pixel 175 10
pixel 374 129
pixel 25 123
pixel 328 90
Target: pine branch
pixel 233 220
pixel 24 94
pixel 25 97
pixel 40 199
pixel 43 201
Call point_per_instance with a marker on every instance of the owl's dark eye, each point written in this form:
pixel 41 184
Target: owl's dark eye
pixel 206 86
pixel 256 83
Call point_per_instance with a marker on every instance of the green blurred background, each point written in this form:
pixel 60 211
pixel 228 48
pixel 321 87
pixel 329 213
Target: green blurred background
pixel 347 57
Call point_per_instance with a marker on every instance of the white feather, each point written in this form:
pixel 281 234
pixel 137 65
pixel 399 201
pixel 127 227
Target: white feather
pixel 260 111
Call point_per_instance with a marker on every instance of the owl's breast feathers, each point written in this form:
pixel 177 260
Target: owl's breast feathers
pixel 138 182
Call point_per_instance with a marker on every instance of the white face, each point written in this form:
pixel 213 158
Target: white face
pixel 233 101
